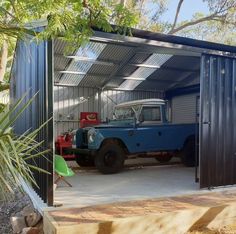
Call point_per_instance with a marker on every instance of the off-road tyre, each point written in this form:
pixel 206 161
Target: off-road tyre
pixel 110 158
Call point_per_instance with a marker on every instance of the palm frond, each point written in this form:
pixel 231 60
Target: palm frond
pixel 18 153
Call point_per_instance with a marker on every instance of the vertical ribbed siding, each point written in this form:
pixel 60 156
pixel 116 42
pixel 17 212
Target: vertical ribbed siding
pixel 184 108
pixel 30 74
pixel 72 101
pixel 217 121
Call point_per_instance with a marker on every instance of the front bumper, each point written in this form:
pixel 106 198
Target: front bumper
pixel 84 151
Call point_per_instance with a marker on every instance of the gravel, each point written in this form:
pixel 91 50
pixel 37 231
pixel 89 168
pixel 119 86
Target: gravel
pixel 12 208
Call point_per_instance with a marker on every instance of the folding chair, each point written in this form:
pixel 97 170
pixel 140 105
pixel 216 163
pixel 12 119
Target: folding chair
pixel 62 170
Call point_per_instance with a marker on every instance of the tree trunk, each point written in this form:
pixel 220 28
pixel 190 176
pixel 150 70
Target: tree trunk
pixel 3 59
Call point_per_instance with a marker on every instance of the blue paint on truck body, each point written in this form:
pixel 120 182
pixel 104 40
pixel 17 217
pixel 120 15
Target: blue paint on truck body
pixel 141 126
pixel 144 138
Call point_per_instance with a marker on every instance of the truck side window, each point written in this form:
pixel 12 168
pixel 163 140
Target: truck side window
pixel 151 113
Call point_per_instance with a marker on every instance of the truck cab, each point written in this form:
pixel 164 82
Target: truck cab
pixel 139 128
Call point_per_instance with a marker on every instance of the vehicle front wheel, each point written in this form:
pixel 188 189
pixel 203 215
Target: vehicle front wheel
pixel 110 158
pixel 84 160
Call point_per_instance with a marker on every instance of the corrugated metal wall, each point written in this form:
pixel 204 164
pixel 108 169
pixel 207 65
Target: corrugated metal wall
pixel 184 108
pixel 217 121
pixel 70 101
pixel 30 74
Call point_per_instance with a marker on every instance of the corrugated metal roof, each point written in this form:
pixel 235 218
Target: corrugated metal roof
pixel 93 81
pixel 140 57
pixel 101 64
pixel 115 52
pixel 144 72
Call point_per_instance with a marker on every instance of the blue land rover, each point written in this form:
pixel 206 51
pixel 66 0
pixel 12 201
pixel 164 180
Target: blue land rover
pixel 138 128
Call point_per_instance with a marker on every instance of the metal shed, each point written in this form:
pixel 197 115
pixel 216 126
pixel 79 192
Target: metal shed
pixel 112 68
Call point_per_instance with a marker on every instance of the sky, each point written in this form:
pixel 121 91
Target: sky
pixel 188 8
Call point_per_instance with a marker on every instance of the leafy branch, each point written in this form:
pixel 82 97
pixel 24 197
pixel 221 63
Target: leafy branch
pixel 220 13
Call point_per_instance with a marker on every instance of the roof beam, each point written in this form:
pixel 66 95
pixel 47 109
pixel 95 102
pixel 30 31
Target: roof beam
pixel 117 77
pixel 130 78
pixel 161 67
pixel 71 72
pixel 88 60
pixel 144 65
pixel 162 81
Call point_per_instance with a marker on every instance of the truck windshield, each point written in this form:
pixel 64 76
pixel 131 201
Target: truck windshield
pixel 124 113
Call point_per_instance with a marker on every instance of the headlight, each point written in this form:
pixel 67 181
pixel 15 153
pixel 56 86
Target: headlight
pixel 91 135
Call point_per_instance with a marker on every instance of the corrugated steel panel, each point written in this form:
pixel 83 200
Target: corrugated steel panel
pixel 143 72
pixel 59 46
pixel 140 57
pixel 71 79
pixel 115 53
pixel 93 81
pixel 91 50
pixel 69 102
pixel 31 73
pixel 127 70
pixel 152 85
pixel 183 109
pixel 101 69
pixel 60 62
pixel 183 62
pixel 217 121
pixel 114 83
pixel 111 53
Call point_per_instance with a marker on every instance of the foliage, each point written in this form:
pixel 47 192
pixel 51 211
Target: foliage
pixel 73 19
pixel 218 25
pixel 17 152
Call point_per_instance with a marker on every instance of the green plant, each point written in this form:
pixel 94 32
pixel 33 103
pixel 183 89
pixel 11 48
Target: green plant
pixel 17 153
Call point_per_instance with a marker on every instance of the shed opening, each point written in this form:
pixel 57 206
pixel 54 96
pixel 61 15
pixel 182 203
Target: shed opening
pixel 100 76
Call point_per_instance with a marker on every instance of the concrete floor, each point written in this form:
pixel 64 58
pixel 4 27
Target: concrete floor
pixel 133 183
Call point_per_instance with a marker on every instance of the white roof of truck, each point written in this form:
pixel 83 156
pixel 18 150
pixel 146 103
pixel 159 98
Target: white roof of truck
pixel 152 101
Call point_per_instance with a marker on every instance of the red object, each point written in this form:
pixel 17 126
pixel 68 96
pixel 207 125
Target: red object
pixel 62 143
pixel 88 119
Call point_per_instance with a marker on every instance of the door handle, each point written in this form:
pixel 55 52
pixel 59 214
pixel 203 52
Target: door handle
pixel 159 133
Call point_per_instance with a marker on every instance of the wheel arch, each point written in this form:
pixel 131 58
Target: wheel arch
pixel 189 138
pixel 115 141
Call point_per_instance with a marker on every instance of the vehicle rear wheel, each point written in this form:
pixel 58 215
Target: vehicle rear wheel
pixel 84 160
pixel 110 158
pixel 188 153
pixel 164 158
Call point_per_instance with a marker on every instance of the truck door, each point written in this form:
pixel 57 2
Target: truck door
pixel 151 119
